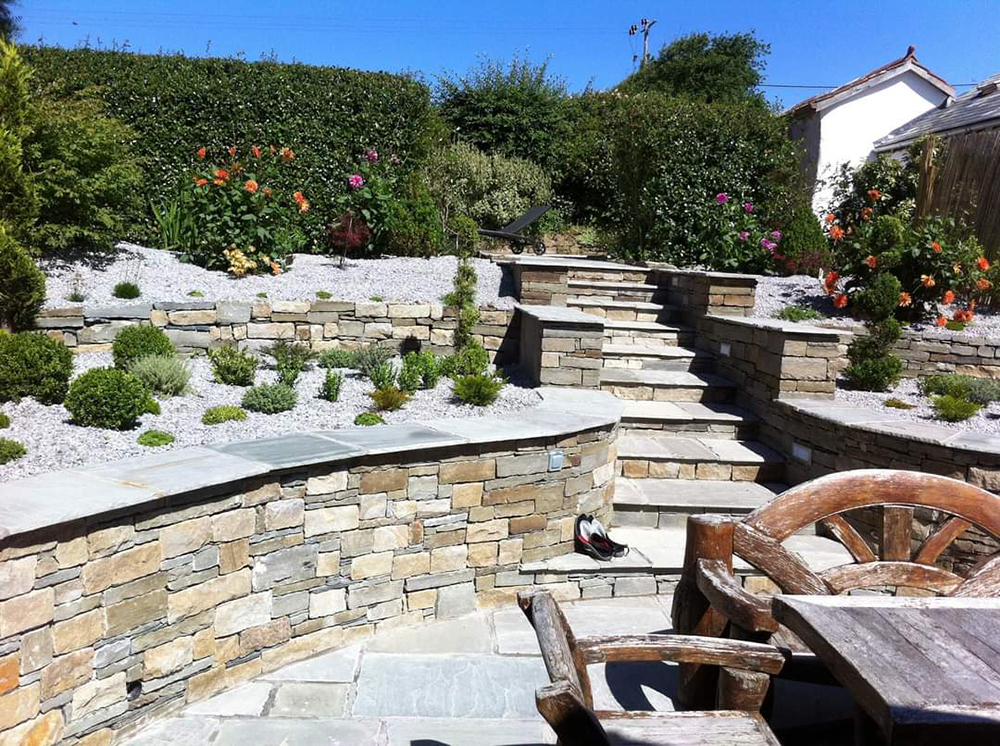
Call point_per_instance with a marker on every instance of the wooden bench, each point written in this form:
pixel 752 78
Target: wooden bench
pixel 710 601
pixel 567 704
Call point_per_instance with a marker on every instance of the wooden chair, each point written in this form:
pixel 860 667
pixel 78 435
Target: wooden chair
pixel 567 704
pixel 711 601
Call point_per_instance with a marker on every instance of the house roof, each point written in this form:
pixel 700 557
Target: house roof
pixel 907 63
pixel 975 109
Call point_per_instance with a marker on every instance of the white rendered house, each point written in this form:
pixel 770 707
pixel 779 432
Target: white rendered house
pixel 842 125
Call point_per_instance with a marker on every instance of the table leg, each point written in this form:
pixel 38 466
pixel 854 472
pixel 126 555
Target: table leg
pixel 866 730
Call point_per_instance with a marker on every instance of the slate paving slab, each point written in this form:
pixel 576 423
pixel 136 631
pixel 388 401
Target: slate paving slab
pixel 177 730
pixel 467 732
pixel 307 732
pixel 304 700
pixel 336 666
pixel 469 634
pixel 248 699
pixel 298 449
pixel 468 686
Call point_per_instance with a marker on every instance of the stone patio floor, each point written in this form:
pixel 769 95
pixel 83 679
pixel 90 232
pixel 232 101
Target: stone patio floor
pixel 467 681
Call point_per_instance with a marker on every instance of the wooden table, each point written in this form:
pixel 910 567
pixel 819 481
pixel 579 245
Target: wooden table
pixel 924 670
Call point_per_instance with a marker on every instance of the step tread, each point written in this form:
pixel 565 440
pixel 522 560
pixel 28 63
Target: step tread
pixel 672 353
pixel 646 326
pixel 661 550
pixel 663 378
pixel 632 305
pixel 691 495
pixel 635 446
pixel 666 411
pixel 613 285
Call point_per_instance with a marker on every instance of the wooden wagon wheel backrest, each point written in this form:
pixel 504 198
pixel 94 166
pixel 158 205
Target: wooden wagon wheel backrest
pixel 758 539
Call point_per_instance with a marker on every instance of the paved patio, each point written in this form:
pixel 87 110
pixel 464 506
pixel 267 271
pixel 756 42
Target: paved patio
pixel 462 682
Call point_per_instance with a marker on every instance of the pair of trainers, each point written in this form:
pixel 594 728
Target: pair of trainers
pixel 591 538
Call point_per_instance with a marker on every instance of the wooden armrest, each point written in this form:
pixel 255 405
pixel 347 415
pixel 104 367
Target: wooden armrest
pixel 712 651
pixel 727 596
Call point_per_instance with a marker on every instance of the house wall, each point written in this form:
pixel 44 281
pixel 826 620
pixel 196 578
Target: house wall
pixel 848 129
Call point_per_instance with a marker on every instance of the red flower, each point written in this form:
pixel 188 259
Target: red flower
pixel 983 284
pixel 299 198
pixel 948 298
pixel 871 261
pixel 201 153
pixel 836 232
pixel 905 299
pixel 232 152
pixel 937 247
pixel 200 182
pixel 221 173
pixel 875 194
pixel 840 301
pixel 983 263
pixel 866 213
pixel 941 321
pixel 251 186
pixel 256 151
pixel 830 218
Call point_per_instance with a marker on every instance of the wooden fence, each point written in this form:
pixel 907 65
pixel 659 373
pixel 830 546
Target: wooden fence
pixel 968 183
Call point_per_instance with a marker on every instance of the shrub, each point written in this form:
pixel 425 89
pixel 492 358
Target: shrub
pixel 389 398
pixel 981 391
pixel 18 197
pixel 323 295
pixel 22 284
pixel 798 313
pixel 479 389
pixel 320 112
pixel 984 391
pixel 954 409
pixel 4 421
pixel 898 404
pixel 367 419
pixel 955 326
pixel 290 359
pixel 223 413
pixel 126 290
pixel 162 374
pixel 135 342
pixel 196 294
pixel 330 390
pixel 409 375
pixel 34 364
pixel 463 298
pixel 471 360
pixel 155 438
pixel 10 450
pixel 492 190
pixel 803 245
pixel 420 371
pixel 232 366
pixel 87 179
pixel 367 359
pixel 270 398
pixel 107 398
pixel 413 225
pixel 873 367
pixel 338 358
pixel 383 376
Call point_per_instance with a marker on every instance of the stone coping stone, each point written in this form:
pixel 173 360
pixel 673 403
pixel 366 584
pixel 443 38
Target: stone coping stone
pixel 562 315
pixel 186 305
pixel 558 262
pixel 142 483
pixel 731 278
pixel 785 327
pixel 125 311
pixel 848 415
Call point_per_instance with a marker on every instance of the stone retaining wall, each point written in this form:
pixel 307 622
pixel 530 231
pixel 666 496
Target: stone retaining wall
pixel 699 293
pixel 325 324
pixel 561 346
pixel 130 589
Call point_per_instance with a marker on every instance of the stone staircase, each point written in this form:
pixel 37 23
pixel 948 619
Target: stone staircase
pixel 685 446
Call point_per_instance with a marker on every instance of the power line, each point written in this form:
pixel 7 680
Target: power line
pixel 830 87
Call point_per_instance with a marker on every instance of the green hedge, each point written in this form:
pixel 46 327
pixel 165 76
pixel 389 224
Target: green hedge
pixel 175 104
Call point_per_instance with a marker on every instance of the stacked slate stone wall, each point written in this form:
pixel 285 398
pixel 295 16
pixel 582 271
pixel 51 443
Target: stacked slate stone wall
pixel 561 346
pixel 195 326
pixel 699 293
pixel 116 618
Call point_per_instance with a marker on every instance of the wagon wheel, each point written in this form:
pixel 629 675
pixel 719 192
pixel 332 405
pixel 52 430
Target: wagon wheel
pixel 517 248
pixel 539 247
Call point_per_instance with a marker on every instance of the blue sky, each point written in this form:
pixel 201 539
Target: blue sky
pixel 812 43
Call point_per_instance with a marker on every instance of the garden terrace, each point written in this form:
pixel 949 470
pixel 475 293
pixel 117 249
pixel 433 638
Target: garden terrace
pixel 131 588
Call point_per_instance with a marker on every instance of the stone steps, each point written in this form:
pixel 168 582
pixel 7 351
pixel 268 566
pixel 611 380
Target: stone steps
pixel 661 503
pixel 605 290
pixel 665 385
pixel 647 333
pixel 670 457
pixel 710 419
pixel 656 559
pixel 646 357
pixel 624 310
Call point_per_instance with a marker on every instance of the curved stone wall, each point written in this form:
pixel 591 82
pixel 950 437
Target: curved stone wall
pixel 132 588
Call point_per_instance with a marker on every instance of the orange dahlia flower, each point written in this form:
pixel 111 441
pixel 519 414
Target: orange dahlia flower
pixel 255 151
pixel 983 263
pixel 927 281
pixel 941 321
pixel 871 261
pixel 905 299
pixel 836 232
pixel 937 247
pixel 948 298
pixel 983 284
pixel 201 153
pixel 221 173
pixel 875 194
pixel 251 186
pixel 840 301
pixel 830 218
pixel 200 182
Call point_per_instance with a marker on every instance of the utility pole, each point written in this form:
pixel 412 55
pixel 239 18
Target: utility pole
pixel 645 24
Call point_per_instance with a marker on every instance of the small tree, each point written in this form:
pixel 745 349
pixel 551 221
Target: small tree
pixel 18 201
pixel 873 366
pixel 22 285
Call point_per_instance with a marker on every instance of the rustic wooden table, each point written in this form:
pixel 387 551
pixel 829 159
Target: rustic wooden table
pixel 924 670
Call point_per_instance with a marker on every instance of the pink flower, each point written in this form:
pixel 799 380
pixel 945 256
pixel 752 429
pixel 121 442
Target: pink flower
pixel 356 181
pixel 744 235
pixel 776 235
pixel 748 207
pixel 372 156
pixel 722 198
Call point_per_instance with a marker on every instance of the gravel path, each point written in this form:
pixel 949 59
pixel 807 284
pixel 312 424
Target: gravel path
pixel 987 421
pixel 53 443
pixel 775 293
pixel 163 277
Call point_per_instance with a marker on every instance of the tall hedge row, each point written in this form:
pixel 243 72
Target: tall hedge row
pixel 328 116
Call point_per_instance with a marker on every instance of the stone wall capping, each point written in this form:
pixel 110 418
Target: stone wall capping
pixel 558 262
pixel 562 315
pixel 185 305
pixel 792 330
pixel 126 311
pixel 85 493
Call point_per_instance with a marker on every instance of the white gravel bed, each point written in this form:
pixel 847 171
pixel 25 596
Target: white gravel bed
pixel 986 421
pixel 161 276
pixel 53 443
pixel 776 293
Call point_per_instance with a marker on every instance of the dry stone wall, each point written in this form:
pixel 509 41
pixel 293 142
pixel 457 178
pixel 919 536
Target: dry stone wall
pixel 127 598
pixel 561 346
